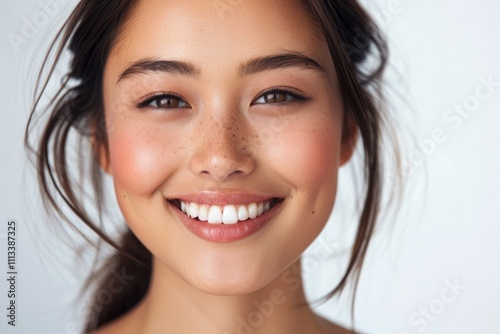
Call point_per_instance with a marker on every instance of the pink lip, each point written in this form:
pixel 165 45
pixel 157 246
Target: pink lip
pixel 223 197
pixel 225 233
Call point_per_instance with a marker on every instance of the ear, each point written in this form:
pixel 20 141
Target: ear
pixel 101 153
pixel 104 160
pixel 349 139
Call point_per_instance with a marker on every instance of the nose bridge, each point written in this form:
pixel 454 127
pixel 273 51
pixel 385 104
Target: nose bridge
pixel 220 151
pixel 219 133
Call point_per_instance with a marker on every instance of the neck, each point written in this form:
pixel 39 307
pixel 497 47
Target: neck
pixel 172 305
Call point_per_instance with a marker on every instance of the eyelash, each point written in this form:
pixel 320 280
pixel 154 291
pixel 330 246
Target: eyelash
pixel 295 97
pixel 146 101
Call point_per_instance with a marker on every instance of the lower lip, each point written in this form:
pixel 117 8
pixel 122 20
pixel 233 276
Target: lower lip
pixel 226 232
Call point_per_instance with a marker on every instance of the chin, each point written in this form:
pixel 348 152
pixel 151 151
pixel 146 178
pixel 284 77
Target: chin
pixel 234 284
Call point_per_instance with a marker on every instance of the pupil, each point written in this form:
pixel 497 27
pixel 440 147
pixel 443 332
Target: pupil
pixel 167 102
pixel 276 97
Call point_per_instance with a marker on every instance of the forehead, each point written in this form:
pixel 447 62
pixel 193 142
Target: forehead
pixel 212 33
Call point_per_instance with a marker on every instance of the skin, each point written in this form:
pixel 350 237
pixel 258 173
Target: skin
pixel 223 135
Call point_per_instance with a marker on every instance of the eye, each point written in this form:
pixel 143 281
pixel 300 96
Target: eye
pixel 163 101
pixel 279 95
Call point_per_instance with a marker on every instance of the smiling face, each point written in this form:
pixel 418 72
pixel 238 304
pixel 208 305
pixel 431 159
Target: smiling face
pixel 211 110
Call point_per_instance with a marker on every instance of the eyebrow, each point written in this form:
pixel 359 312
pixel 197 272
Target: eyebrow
pixel 253 66
pixel 164 66
pixel 280 61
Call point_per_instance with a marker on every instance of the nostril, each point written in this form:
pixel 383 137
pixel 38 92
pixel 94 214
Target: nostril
pixel 220 174
pixel 221 164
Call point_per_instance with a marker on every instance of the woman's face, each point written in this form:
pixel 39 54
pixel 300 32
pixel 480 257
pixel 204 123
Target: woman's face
pixel 223 104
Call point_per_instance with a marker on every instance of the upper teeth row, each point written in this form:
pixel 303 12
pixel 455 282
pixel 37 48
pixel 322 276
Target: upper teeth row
pixel 228 214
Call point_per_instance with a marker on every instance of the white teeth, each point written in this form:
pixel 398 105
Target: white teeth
pixel 242 213
pixel 203 213
pixel 193 210
pixel 229 214
pixel 214 215
pixel 252 210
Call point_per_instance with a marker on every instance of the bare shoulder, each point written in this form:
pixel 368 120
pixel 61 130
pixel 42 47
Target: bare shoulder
pixel 129 324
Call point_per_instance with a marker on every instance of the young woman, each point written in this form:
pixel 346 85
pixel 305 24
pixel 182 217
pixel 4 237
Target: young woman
pixel 223 125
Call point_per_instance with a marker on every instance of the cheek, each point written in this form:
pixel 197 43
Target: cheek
pixel 314 158
pixel 311 168
pixel 307 151
pixel 140 158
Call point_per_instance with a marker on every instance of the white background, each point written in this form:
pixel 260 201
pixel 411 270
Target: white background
pixel 448 230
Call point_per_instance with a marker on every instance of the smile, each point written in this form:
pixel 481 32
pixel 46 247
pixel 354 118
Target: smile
pixel 230 218
pixel 227 214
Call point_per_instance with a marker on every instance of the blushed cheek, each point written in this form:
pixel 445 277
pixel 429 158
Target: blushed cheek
pixel 139 160
pixel 310 155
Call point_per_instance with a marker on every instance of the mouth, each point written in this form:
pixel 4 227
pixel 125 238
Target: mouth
pixel 225 221
pixel 228 214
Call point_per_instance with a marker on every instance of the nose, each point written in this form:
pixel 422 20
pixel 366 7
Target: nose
pixel 221 151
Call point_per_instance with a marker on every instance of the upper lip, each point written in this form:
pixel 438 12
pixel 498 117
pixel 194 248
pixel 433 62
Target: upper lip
pixel 223 197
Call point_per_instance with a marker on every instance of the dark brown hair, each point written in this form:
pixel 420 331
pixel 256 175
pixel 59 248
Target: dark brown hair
pixel 359 55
